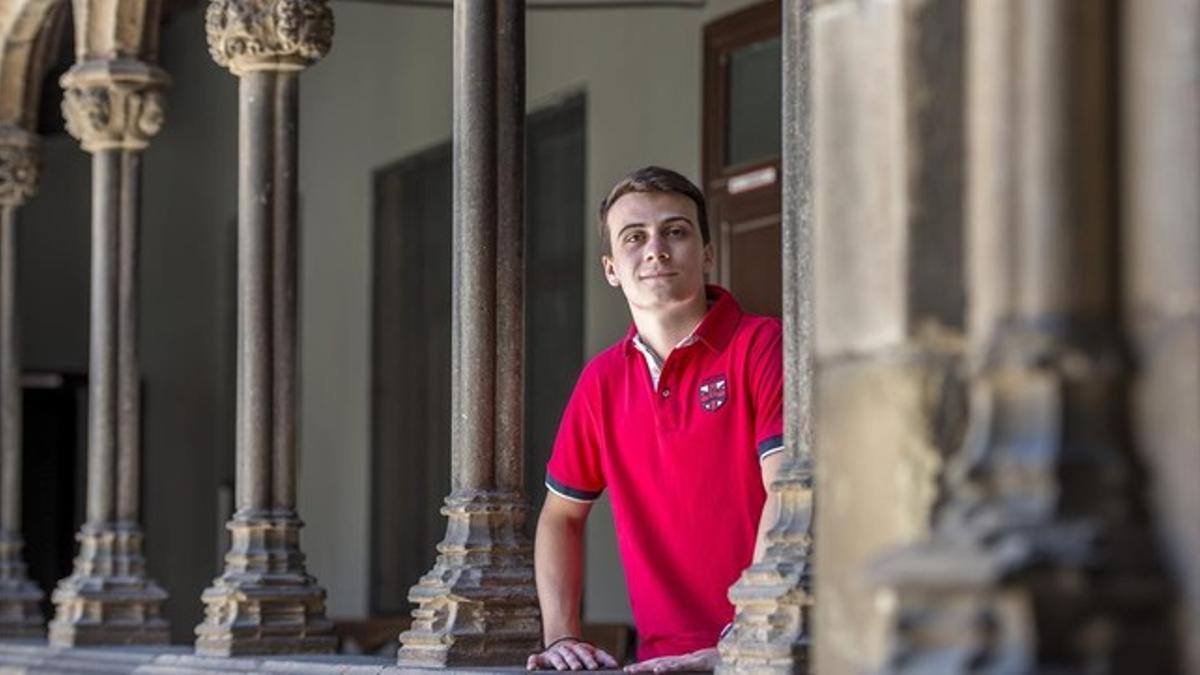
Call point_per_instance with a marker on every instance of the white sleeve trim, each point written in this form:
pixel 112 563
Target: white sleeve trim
pixel 567 497
pixel 770 452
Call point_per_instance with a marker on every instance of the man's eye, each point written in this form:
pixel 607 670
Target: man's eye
pixel 633 237
pixel 676 232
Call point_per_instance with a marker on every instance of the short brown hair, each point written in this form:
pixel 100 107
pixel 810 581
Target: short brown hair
pixel 653 179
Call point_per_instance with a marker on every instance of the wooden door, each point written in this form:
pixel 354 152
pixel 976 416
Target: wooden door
pixel 741 147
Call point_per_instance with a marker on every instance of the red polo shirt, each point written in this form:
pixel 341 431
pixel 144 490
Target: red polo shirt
pixel 681 465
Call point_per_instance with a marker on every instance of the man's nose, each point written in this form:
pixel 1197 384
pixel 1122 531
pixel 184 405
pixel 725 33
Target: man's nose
pixel 656 249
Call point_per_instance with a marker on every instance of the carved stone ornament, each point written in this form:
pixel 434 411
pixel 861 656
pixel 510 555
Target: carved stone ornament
pixel 18 165
pixel 478 605
pixel 265 602
pixel 246 35
pixel 108 600
pixel 771 630
pixel 113 104
pixel 1039 561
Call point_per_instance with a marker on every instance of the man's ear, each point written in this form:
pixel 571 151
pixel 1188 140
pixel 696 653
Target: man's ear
pixel 610 271
pixel 710 258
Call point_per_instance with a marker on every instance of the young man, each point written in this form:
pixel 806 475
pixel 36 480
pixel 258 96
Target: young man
pixel 681 421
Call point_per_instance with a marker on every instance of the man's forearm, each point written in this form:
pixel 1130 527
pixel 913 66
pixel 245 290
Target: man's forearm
pixel 558 565
pixel 771 465
pixel 765 521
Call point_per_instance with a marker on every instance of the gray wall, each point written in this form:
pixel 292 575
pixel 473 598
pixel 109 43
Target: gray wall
pixel 382 93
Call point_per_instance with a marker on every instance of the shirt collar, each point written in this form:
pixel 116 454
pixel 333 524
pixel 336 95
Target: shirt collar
pixel 715 329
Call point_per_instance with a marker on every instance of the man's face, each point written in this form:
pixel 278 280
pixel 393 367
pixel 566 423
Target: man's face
pixel 658 257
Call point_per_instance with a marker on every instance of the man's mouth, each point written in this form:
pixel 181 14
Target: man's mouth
pixel 659 275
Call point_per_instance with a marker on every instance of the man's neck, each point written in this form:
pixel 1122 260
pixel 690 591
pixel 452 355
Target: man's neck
pixel 661 330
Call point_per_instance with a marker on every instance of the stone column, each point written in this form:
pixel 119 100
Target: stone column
pixel 887 198
pixel 113 107
pixel 478 605
pixel 1161 233
pixel 20 613
pixel 1040 560
pixel 265 602
pixel 772 628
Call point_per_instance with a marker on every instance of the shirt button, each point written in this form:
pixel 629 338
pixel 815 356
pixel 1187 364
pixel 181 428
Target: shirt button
pixel 666 393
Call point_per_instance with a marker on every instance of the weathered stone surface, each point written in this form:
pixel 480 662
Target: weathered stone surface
pixel 1165 397
pixel 1040 559
pixel 478 605
pixel 264 602
pixel 113 104
pixel 887 90
pixel 246 35
pixel 858 175
pixel 108 600
pixel 889 276
pixel 885 425
pixel 1162 282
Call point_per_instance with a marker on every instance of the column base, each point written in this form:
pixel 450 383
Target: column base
pixel 108 600
pixel 478 605
pixel 1056 598
pixel 1040 560
pixel 265 602
pixel 770 633
pixel 20 599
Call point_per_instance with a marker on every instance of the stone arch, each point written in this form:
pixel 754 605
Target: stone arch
pixel 29 35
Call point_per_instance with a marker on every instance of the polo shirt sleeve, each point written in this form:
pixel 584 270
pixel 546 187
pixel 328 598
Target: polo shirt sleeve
pixel 574 471
pixel 766 389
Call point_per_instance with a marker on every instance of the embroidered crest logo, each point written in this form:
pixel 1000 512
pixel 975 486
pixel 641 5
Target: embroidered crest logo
pixel 713 393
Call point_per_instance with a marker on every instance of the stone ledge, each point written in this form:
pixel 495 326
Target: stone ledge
pixel 33 656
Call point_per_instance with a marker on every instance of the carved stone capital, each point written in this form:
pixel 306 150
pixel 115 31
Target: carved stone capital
pixel 113 104
pixel 265 602
pixel 478 605
pixel 246 35
pixel 108 600
pixel 18 165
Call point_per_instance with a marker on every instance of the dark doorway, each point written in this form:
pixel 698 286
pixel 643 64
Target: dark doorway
pixel 410 443
pixel 53 474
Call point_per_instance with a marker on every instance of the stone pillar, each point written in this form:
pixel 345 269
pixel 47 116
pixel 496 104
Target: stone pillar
pixel 20 613
pixel 1040 560
pixel 113 107
pixel 1161 232
pixel 887 198
pixel 478 605
pixel 772 628
pixel 265 602
pixel 29 34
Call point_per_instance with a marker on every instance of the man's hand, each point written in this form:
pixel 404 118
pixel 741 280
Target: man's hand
pixel 571 654
pixel 701 659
